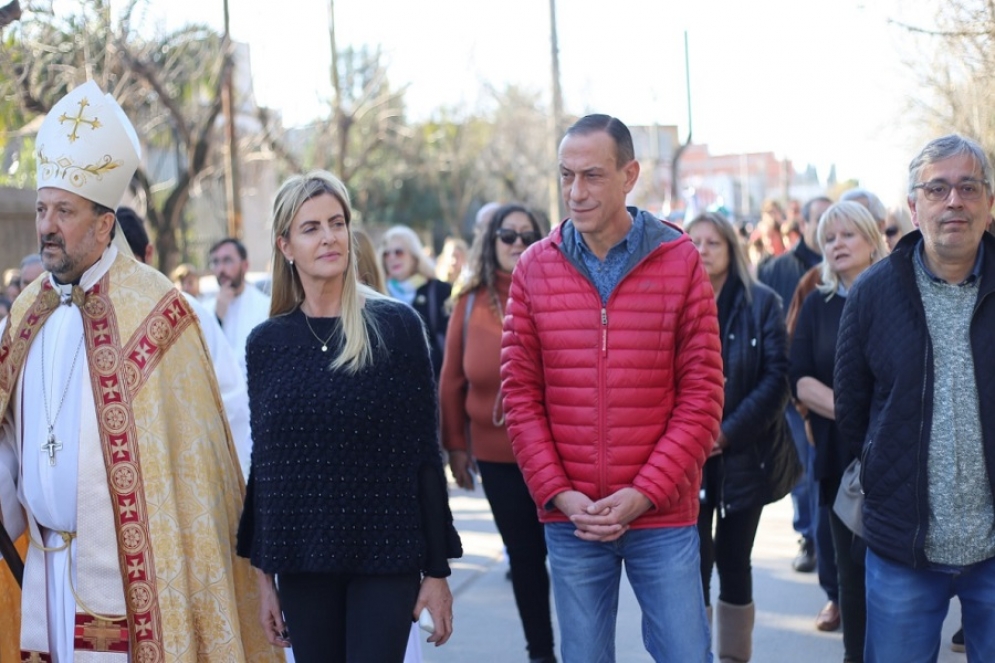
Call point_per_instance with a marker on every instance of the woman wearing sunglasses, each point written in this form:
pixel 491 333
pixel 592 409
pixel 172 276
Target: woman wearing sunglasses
pixel 473 430
pixel 411 279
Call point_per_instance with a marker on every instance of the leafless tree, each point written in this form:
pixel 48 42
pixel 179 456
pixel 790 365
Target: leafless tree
pixel 957 73
pixel 168 85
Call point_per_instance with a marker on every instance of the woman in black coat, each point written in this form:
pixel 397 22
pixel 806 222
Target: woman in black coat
pixel 753 461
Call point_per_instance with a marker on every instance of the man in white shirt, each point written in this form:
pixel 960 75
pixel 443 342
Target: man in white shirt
pixel 231 380
pixel 238 308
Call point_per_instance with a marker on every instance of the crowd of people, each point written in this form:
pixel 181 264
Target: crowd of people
pixel 628 393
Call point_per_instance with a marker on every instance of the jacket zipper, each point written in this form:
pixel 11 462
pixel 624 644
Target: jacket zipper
pixel 722 487
pixel 604 332
pixel 602 390
pixel 602 362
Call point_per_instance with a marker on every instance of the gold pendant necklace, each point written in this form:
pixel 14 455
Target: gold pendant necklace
pixel 324 343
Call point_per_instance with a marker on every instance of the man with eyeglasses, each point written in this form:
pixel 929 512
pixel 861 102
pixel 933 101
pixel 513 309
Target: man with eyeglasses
pixel 914 386
pixel 238 308
pixel 612 379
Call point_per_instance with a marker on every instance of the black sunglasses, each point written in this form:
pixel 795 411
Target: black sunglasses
pixel 891 231
pixel 509 236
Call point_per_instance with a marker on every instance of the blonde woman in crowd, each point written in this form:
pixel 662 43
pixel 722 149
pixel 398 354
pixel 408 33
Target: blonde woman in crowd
pixel 187 279
pixel 345 512
pixel 411 279
pixel 452 260
pixel 851 242
pixel 897 224
pixel 370 271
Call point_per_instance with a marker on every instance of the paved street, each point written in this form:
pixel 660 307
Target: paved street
pixel 488 630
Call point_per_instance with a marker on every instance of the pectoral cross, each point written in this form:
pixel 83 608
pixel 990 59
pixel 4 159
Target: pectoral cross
pixel 51 446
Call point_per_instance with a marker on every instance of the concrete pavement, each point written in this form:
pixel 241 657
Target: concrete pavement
pixel 487 629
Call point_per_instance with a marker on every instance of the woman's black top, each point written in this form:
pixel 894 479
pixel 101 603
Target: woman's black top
pixel 430 302
pixel 813 354
pixel 346 472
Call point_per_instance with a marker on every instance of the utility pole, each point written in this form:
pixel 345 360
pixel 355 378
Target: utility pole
pixel 675 183
pixel 340 118
pixel 232 189
pixel 556 209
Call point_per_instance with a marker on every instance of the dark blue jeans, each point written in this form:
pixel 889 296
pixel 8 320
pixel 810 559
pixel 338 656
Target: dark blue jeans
pixel 804 496
pixel 906 608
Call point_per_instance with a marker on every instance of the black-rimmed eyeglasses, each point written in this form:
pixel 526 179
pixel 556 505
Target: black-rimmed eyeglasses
pixel 509 236
pixel 939 190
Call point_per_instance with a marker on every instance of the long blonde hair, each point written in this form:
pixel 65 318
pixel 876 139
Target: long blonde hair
pixel 288 293
pixel 367 264
pixel 857 215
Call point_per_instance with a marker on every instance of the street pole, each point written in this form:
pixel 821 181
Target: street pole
pixel 675 183
pixel 232 189
pixel 556 209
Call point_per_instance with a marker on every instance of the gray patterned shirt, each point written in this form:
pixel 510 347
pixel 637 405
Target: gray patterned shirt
pixel 961 514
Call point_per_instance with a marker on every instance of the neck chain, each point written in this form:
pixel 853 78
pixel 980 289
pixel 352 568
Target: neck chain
pixel 52 444
pixel 324 343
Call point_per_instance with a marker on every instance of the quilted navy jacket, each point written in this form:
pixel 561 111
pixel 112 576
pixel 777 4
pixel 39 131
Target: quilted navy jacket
pixel 626 395
pixel 883 392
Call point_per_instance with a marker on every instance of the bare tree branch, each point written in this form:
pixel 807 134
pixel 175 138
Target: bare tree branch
pixel 276 144
pixel 954 34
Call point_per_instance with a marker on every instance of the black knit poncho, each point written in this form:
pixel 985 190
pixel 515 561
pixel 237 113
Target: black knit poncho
pixel 346 472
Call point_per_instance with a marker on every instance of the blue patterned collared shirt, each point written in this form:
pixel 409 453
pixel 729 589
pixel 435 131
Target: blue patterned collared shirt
pixel 607 273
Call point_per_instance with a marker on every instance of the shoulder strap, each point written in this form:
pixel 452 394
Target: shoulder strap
pixel 466 326
pixel 466 316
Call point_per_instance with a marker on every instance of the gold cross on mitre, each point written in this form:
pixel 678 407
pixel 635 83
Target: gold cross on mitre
pixel 78 120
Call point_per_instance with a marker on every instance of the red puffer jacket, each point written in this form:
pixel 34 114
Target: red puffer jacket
pixel 627 395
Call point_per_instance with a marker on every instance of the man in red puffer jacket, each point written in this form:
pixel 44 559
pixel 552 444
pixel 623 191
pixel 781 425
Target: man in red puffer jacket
pixel 612 379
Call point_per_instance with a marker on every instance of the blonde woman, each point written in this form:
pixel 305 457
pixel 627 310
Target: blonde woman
pixel 370 271
pixel 346 507
pixel 452 260
pixel 851 242
pixel 411 279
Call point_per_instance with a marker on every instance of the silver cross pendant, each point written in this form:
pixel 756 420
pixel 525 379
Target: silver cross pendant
pixel 51 446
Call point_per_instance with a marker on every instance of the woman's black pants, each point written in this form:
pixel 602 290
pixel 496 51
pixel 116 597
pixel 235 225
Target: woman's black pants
pixel 523 536
pixel 729 550
pixel 348 618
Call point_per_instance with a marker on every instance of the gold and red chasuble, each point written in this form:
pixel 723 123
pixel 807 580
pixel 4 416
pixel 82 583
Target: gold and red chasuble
pixel 175 488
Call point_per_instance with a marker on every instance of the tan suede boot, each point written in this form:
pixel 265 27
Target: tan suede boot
pixel 734 627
